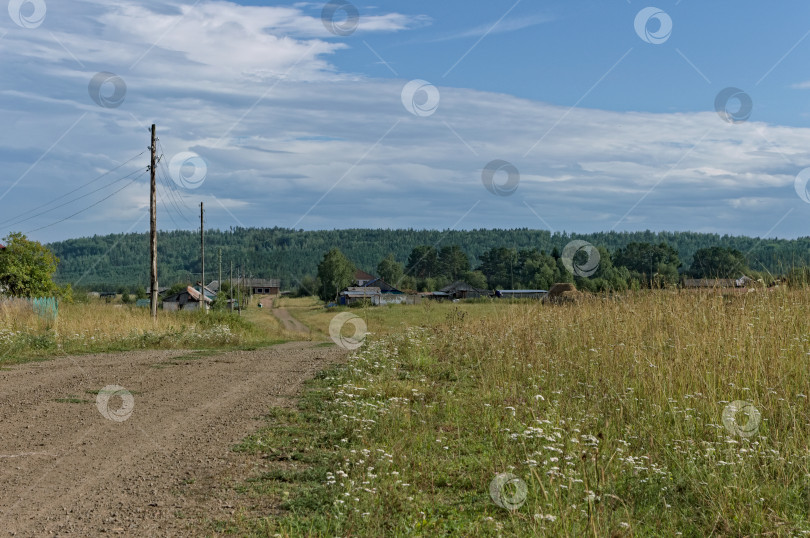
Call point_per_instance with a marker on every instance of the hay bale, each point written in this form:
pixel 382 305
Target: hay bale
pixel 560 288
pixel 569 296
pixel 563 292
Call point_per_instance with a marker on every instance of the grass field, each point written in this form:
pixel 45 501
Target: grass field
pixel 391 319
pixel 99 327
pixel 648 414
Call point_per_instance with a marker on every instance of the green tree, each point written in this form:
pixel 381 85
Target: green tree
pixel 476 279
pixel 308 286
pixel 125 297
pixel 390 270
pixel 500 266
pixel 26 267
pixel 718 262
pixel 179 287
pixel 335 273
pixel 453 263
pixel 653 265
pixel 423 262
pixel 140 293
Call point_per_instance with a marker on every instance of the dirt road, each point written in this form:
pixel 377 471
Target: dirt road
pixel 289 322
pixel 160 462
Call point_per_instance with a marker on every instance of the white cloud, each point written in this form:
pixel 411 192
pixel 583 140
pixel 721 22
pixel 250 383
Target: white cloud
pixel 279 127
pixel 505 26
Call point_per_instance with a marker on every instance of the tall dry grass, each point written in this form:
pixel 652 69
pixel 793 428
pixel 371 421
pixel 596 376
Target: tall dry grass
pixel 98 326
pixel 613 412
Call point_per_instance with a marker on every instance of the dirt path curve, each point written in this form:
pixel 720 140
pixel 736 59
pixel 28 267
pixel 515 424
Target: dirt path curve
pixel 290 323
pixel 66 470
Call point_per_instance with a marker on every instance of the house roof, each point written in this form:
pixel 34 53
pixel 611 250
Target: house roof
pixel 356 291
pixel 262 282
pixel 214 285
pixel 458 285
pixel 208 291
pixel 193 295
pixel 196 295
pixel 362 275
pixel 384 286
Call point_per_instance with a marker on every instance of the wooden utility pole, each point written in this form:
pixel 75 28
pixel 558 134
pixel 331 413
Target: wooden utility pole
pixel 153 280
pixel 219 282
pixel 202 259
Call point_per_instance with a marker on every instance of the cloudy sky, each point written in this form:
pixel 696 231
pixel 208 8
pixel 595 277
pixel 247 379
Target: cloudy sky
pixel 561 115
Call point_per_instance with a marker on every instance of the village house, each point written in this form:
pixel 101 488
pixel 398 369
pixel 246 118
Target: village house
pixel 461 290
pixel 257 286
pixel 261 286
pixel 190 299
pixel 356 294
pixel 374 290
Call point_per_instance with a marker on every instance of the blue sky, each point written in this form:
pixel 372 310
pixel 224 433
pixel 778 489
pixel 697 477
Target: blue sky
pixel 590 116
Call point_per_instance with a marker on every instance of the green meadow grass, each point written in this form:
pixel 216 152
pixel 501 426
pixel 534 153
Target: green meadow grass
pixel 610 417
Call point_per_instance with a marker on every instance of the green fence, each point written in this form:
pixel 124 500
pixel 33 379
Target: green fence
pixel 46 307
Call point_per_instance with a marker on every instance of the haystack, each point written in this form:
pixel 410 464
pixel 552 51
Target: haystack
pixel 563 292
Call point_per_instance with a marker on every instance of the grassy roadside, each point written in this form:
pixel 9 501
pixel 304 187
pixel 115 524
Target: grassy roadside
pixel 613 418
pixel 98 327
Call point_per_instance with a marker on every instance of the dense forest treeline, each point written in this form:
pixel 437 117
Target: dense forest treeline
pixel 108 262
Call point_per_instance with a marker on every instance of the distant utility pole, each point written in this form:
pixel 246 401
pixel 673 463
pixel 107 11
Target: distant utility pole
pixel 219 282
pixel 153 281
pixel 202 258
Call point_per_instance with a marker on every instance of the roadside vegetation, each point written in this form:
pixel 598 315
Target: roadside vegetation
pixel 96 326
pixel 614 415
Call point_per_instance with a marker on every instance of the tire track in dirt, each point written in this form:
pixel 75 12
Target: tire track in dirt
pixel 165 470
pixel 289 322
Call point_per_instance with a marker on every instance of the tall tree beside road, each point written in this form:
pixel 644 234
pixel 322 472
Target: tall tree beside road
pixel 335 273
pixel 26 268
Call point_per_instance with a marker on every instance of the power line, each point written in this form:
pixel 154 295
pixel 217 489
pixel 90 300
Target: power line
pixel 166 208
pixel 13 222
pixel 171 195
pixel 76 189
pixel 88 207
pixel 176 193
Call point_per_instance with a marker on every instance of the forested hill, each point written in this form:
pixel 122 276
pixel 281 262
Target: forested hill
pixel 112 261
